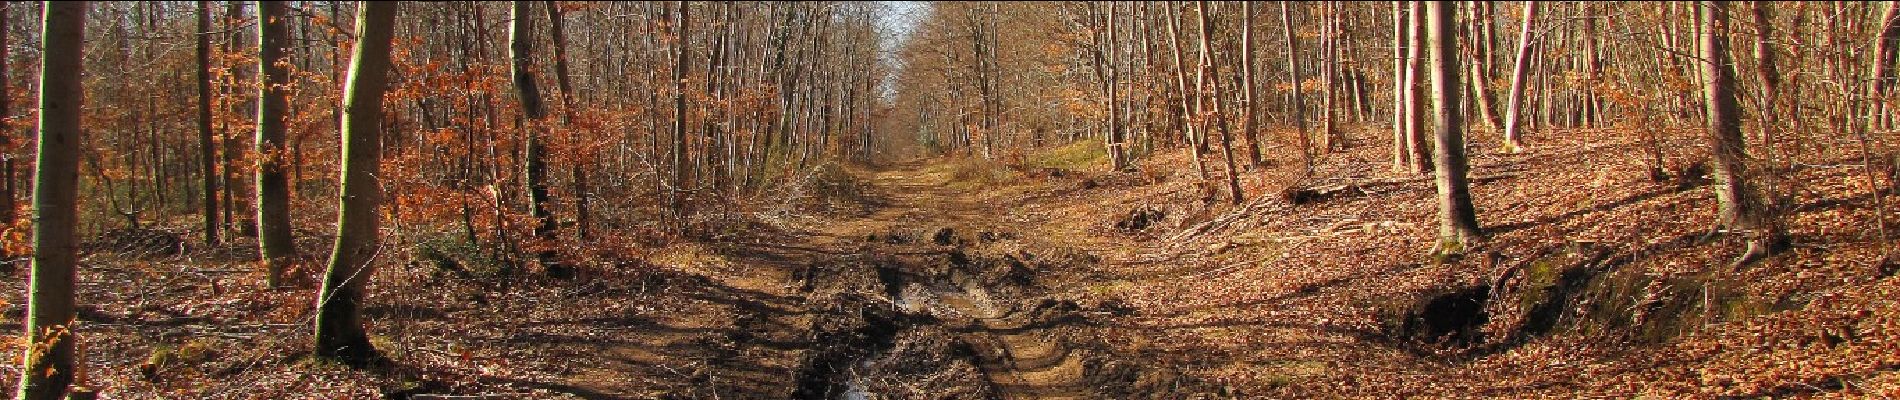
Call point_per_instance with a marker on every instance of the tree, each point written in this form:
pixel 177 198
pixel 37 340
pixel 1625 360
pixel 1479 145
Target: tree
pixel 1886 53
pixel 1293 72
pixel 8 212
pixel 48 365
pixel 578 170
pixel 1512 142
pixel 534 161
pixel 1743 209
pixel 1247 87
pixel 274 243
pixel 1401 148
pixel 1210 75
pixel 1416 144
pixel 207 153
pixel 339 330
pixel 1457 218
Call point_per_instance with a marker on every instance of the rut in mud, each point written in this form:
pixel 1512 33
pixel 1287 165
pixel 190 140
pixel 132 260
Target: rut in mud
pixel 966 315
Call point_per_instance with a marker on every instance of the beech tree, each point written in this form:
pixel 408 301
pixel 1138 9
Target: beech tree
pixel 1744 210
pixel 207 152
pixel 1519 72
pixel 339 323
pixel 48 366
pixel 274 242
pixel 534 160
pixel 1457 218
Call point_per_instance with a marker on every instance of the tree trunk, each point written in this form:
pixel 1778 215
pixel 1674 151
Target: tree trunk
pixel 679 111
pixel 1293 72
pixel 1401 148
pixel 578 171
pixel 534 160
pixel 1251 131
pixel 339 330
pixel 8 212
pixel 1886 53
pixel 1519 72
pixel 1743 208
pixel 274 243
pixel 207 152
pixel 1480 68
pixel 1211 75
pixel 1417 143
pixel 51 343
pixel 1329 72
pixel 1457 219
pixel 1766 73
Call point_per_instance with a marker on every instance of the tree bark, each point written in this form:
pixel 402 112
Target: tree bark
pixel 48 363
pixel 534 160
pixel 1519 72
pixel 1293 72
pixel 1457 219
pixel 1211 75
pixel 339 324
pixel 1417 144
pixel 679 110
pixel 578 170
pixel 1247 76
pixel 1743 208
pixel 207 152
pixel 1886 53
pixel 1401 148
pixel 274 243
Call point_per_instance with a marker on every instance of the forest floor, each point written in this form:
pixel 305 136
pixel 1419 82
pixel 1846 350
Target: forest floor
pixel 1053 278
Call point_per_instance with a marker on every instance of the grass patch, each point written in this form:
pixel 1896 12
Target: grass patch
pixel 1078 156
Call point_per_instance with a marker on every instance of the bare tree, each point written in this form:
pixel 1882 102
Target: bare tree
pixel 1519 72
pixel 339 324
pixel 207 152
pixel 48 363
pixel 1457 218
pixel 274 244
pixel 1744 209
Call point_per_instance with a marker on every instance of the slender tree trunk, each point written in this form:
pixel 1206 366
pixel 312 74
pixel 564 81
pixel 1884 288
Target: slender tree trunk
pixel 51 342
pixel 1329 72
pixel 534 160
pixel 339 324
pixel 1513 142
pixel 1743 208
pixel 1480 68
pixel 1293 72
pixel 1401 148
pixel 679 110
pixel 577 171
pixel 1187 109
pixel 274 243
pixel 1211 75
pixel 1417 143
pixel 1766 73
pixel 1886 53
pixel 207 150
pixel 1458 220
pixel 8 211
pixel 1251 131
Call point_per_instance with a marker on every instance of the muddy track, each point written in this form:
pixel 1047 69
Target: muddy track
pixel 950 306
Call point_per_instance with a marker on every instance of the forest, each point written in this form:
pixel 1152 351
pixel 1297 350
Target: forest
pixel 468 200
